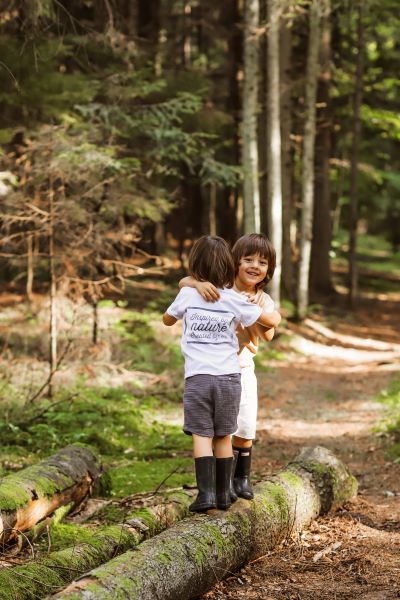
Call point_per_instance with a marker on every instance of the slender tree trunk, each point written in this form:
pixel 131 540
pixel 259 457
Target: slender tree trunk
pixel 322 224
pixel 274 143
pixel 212 211
pixel 162 37
pixel 252 219
pixel 29 278
pixel 235 44
pixel 53 294
pixel 95 330
pixel 187 34
pixel 357 101
pixel 209 212
pixel 308 161
pixel 287 161
pixel 159 237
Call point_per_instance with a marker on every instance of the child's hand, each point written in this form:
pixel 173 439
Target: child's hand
pixel 252 298
pixel 207 290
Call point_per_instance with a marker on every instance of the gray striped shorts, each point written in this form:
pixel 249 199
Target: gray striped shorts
pixel 211 404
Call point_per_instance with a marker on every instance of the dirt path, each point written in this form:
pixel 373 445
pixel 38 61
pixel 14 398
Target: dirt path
pixel 328 398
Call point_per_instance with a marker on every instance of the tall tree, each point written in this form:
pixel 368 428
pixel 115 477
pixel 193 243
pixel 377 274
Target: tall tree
pixel 285 39
pixel 308 159
pixel 274 180
pixel 252 219
pixel 357 100
pixel 322 224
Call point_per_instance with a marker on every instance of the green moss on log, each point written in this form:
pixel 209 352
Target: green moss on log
pixel 190 557
pixel 89 547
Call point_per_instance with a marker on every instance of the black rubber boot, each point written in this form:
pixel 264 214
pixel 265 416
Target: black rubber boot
pixel 224 476
pixel 234 495
pixel 241 478
pixel 205 477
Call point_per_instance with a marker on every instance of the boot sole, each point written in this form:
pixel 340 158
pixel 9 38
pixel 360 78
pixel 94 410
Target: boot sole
pixel 202 508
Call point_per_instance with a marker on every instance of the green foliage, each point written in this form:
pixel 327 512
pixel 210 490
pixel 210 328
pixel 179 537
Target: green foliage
pixel 139 450
pixel 143 346
pixel 391 399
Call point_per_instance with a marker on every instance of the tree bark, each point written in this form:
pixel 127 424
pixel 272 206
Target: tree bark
pixel 30 495
pixel 320 280
pixel 232 14
pixel 191 556
pixel 49 573
pixel 29 274
pixel 357 101
pixel 251 189
pixel 53 294
pixel 308 161
pixel 274 166
pixel 287 158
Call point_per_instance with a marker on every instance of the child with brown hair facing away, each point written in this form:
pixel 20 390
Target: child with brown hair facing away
pixel 255 259
pixel 212 373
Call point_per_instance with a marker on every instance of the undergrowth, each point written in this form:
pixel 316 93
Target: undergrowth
pixel 391 424
pixel 128 425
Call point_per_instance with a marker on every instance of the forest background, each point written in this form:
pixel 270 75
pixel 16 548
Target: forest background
pixel 128 129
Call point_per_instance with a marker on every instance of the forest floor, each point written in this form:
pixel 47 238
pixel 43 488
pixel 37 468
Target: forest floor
pixel 327 396
pixel 318 384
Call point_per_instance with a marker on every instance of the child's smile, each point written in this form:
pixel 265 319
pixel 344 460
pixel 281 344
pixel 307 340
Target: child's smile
pixel 252 270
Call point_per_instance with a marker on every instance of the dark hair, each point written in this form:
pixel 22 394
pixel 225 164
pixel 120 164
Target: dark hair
pixel 210 259
pixel 255 243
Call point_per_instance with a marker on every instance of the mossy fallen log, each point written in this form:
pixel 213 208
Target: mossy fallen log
pixel 30 495
pixel 186 560
pixel 45 575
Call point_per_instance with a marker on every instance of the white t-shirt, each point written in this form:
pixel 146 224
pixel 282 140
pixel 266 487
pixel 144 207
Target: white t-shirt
pixel 209 342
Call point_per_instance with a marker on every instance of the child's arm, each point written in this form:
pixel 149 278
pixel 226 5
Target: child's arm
pixel 207 290
pixel 269 319
pixel 168 319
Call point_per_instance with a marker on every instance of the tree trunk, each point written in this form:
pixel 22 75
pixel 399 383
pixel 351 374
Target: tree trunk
pixel 29 276
pixel 251 191
pixel 49 573
pixel 187 35
pixel 53 294
pixel 322 224
pixel 287 159
pixel 308 162
pixel 232 15
pixel 209 212
pixel 95 328
pixel 357 100
pixel 191 556
pixel 274 144
pixel 30 495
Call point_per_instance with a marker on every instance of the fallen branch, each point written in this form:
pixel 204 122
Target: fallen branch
pixel 191 556
pixel 350 341
pixel 30 495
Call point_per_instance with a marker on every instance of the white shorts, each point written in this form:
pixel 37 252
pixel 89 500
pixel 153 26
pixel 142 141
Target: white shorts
pixel 247 418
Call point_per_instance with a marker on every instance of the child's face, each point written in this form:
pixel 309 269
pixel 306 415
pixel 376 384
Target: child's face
pixel 252 270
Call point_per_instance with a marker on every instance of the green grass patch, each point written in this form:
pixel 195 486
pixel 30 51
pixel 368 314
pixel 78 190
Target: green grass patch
pixel 390 397
pixel 147 475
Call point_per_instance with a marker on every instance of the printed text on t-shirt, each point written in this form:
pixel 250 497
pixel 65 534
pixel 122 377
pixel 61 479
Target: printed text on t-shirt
pixel 207 326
